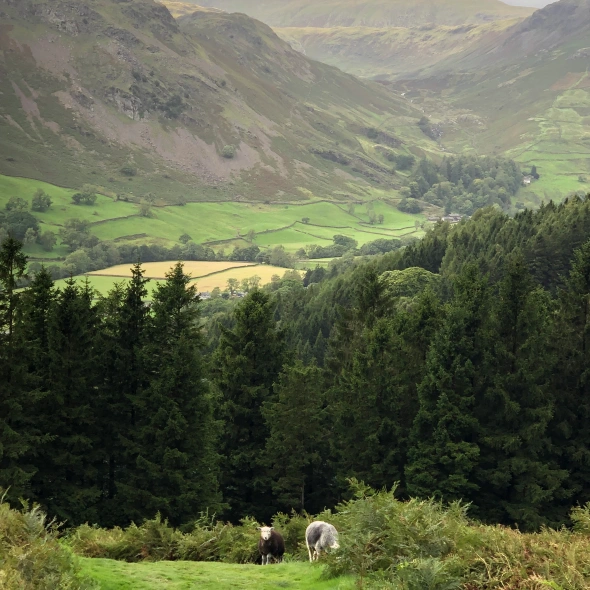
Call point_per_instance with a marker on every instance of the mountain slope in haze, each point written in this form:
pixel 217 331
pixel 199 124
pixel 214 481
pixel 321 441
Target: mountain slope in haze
pixel 387 53
pixel 370 13
pixel 555 25
pixel 524 93
pixel 99 85
pixel 379 39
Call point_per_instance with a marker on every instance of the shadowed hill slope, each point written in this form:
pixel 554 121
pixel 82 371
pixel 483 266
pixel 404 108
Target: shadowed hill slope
pixel 213 106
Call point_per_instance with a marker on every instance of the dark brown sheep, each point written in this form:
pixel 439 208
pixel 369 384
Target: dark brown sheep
pixel 270 544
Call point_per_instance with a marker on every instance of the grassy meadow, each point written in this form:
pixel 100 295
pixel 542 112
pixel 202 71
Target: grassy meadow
pixel 221 225
pixel 116 575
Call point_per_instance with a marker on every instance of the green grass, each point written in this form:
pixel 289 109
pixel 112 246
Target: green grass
pixel 211 222
pixel 62 207
pixel 116 575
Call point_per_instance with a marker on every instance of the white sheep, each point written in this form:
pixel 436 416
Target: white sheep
pixel 320 536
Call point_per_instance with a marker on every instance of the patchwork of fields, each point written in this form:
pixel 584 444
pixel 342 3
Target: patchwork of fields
pixel 206 275
pixel 221 225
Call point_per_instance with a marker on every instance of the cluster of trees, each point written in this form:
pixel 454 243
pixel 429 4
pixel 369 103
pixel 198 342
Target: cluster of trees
pixel 344 245
pixel 86 196
pixel 429 129
pixel 463 184
pixel 88 253
pixel 16 221
pixel 340 246
pixel 106 412
pixel 402 161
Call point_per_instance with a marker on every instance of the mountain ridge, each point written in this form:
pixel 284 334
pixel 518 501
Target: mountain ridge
pixel 373 13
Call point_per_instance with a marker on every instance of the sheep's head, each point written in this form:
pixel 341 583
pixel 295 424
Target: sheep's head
pixel 265 532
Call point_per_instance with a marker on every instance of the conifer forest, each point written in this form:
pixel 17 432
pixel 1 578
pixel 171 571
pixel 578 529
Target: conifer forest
pixel 455 368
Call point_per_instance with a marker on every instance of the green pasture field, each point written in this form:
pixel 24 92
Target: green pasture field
pixel 223 224
pixel 210 222
pixel 62 207
pixel 188 575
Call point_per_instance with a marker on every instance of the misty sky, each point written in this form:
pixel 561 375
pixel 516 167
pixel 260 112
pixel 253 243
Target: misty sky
pixel 535 3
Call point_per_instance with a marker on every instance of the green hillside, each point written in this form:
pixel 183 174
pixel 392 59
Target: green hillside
pixel 211 107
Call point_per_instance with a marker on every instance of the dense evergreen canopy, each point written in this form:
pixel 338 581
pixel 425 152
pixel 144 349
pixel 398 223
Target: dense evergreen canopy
pixel 457 367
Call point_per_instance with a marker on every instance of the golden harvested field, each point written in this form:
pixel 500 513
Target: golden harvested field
pixel 264 271
pixel 158 270
pixel 206 275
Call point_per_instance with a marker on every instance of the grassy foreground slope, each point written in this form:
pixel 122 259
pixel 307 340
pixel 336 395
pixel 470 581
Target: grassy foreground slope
pixel 116 575
pixel 384 543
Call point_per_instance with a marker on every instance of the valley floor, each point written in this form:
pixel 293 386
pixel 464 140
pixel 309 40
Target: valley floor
pixel 179 575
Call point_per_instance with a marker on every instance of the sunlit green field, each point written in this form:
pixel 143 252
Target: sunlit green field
pixel 221 225
pixel 116 575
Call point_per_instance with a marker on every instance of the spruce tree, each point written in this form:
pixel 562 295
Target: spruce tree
pixel 376 358
pixel 571 424
pixel 32 326
pixel 66 482
pixel 125 323
pixel 519 477
pixel 297 445
pixel 176 464
pixel 245 366
pixel 18 434
pixel 444 452
pixel 33 321
pixel 366 404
